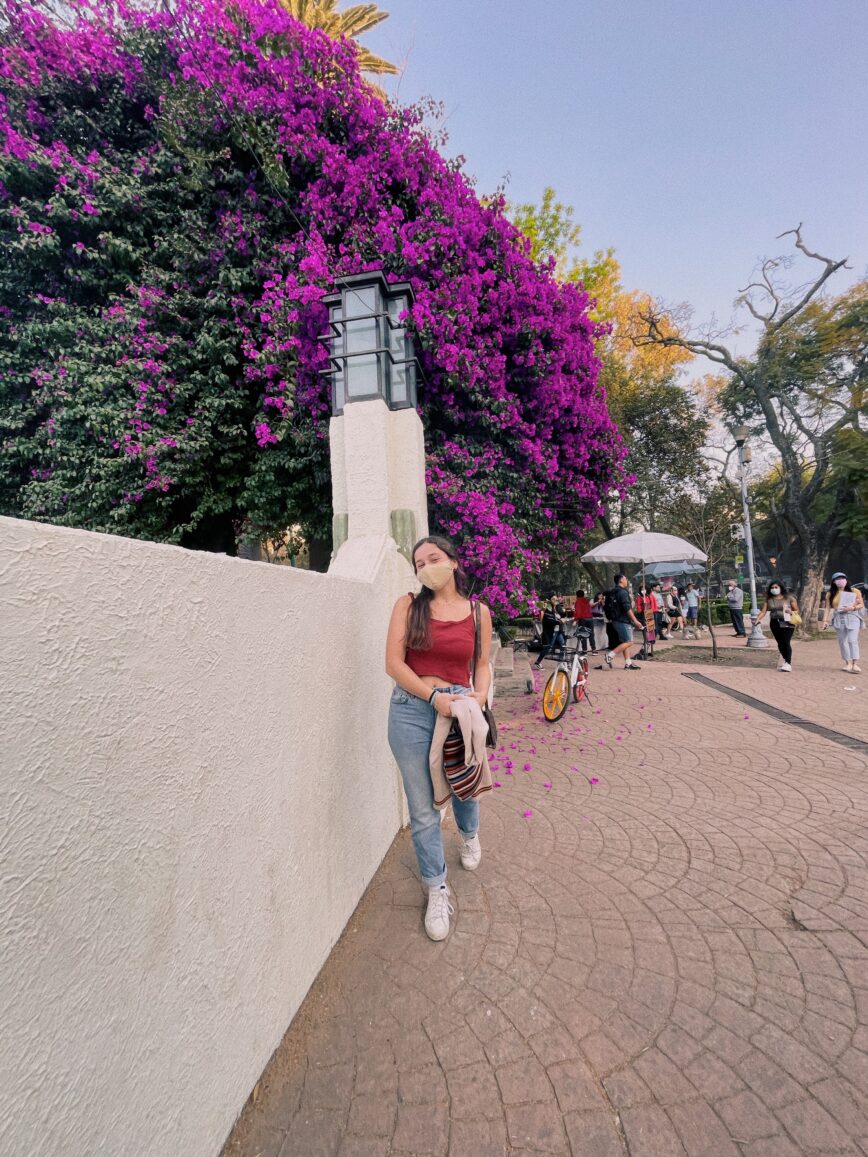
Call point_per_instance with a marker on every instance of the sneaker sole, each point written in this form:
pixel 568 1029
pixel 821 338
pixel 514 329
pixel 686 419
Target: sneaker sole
pixel 471 867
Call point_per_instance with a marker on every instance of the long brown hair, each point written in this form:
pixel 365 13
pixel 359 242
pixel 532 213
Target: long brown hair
pixel 419 618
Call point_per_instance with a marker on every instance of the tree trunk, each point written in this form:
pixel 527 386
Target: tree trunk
pixel 810 588
pixel 710 616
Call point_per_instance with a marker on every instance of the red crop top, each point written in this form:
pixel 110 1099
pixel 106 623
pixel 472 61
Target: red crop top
pixel 449 654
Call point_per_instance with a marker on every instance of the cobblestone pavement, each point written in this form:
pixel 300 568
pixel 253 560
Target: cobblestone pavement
pixel 625 973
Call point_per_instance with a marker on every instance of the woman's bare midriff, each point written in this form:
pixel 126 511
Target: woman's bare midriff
pixel 433 681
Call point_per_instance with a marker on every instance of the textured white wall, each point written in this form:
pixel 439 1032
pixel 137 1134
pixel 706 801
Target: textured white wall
pixel 196 788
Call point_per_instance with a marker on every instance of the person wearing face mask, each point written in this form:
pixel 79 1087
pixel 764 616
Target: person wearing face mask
pixel 429 651
pixel 847 619
pixel 780 606
pixel 735 602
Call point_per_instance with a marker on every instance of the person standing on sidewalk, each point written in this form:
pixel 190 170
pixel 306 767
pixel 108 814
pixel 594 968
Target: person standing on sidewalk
pixel 780 606
pixel 429 650
pixel 848 621
pixel 692 596
pixel 735 602
pixel 672 603
pixel 623 622
pixel 583 617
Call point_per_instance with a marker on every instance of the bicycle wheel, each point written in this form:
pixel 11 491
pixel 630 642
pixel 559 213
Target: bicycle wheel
pixel 556 695
pixel 579 690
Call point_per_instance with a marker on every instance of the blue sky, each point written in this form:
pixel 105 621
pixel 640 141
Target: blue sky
pixel 686 133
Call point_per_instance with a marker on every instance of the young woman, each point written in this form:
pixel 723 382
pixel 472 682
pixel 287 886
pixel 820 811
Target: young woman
pixel 673 608
pixel 686 633
pixel 779 605
pixel 847 621
pixel 429 650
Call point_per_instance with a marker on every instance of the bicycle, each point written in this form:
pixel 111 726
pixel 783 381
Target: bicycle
pixel 570 675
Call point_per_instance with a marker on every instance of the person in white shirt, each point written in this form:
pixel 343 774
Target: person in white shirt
pixel 848 620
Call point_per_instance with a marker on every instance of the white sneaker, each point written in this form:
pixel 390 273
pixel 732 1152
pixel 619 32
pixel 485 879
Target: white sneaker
pixel 854 670
pixel 438 913
pixel 785 667
pixel 609 657
pixel 471 852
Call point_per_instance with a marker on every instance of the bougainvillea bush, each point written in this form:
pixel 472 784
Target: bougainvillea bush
pixel 178 191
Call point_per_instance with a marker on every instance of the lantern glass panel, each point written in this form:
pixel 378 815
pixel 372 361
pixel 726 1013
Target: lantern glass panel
pixel 397 328
pixel 339 393
pixel 363 377
pixel 362 336
pixel 360 302
pixel 398 384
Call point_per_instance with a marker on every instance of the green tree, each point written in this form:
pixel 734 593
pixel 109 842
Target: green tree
pixel 554 236
pixel 350 22
pixel 704 517
pixel 659 420
pixel 803 389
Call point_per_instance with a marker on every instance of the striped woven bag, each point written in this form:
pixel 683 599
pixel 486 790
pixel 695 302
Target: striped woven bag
pixel 462 778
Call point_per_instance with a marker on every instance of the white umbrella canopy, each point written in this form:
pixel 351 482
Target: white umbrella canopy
pixel 645 546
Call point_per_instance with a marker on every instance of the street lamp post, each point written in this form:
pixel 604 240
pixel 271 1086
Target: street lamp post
pixel 376 441
pixel 756 639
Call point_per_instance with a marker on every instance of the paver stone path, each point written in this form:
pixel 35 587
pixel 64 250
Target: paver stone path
pixel 664 950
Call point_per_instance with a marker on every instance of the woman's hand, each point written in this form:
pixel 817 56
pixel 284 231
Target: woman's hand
pixel 481 697
pixel 443 703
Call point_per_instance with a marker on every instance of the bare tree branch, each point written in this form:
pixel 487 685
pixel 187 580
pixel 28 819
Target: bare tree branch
pixel 831 266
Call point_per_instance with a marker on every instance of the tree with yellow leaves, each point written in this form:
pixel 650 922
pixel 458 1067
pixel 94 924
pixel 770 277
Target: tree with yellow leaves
pixel 659 420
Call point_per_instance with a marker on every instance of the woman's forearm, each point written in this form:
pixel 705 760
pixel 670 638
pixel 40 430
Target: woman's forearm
pixel 408 680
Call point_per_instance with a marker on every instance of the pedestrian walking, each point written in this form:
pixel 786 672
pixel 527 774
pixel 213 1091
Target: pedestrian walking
pixel 610 607
pixel 623 620
pixel 735 602
pixel 429 650
pixel 558 636
pixel 784 617
pixel 598 614
pixel 583 617
pixel 845 612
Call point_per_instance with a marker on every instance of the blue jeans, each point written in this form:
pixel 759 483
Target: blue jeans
pixel 411 728
pixel 559 639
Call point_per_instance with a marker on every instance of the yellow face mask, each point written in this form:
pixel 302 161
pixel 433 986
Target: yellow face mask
pixel 435 575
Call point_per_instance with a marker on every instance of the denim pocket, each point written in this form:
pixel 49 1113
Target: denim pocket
pixel 399 695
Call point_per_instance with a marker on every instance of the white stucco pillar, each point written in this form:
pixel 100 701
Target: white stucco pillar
pixel 378 484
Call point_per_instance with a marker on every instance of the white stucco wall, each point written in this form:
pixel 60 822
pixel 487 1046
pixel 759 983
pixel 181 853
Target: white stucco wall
pixel 378 465
pixel 196 787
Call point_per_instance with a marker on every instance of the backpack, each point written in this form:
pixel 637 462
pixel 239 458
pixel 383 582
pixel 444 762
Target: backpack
pixel 610 604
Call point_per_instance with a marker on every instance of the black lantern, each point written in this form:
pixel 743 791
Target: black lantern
pixel 371 351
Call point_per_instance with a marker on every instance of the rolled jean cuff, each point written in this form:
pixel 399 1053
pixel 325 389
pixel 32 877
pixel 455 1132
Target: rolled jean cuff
pixel 435 882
